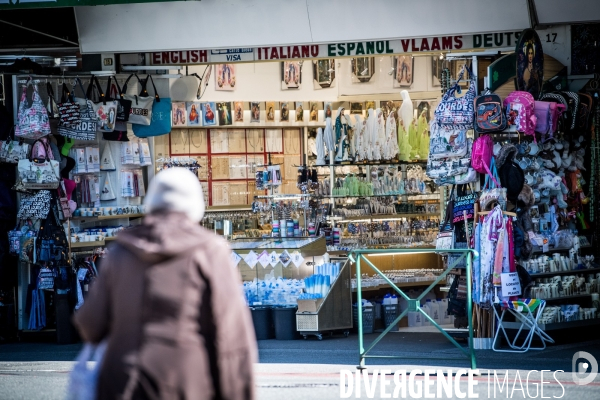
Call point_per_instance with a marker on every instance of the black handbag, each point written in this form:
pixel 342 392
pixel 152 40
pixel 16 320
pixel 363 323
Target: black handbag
pixel 114 92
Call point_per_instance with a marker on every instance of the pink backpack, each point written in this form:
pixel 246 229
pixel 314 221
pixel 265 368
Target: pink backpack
pixel 483 149
pixel 520 112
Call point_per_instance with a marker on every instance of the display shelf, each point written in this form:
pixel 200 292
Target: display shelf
pixel 374 163
pixel 557 325
pixel 569 272
pixel 108 217
pixel 538 250
pixel 227 208
pixel 383 217
pixel 79 245
pixel 399 284
pixel 110 239
pixel 575 296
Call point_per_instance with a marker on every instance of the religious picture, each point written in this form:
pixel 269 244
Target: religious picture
pixel 238 111
pixel 299 111
pixel 390 106
pixel 255 111
pixel 270 109
pixel 363 69
pixel 208 113
pixel 423 110
pixel 328 111
pixel 285 111
pixel 530 63
pixel 457 67
pixel 369 104
pixel 404 71
pixel 194 113
pixel 290 75
pixel 225 77
pixel 324 72
pixel 179 114
pixel 356 108
pixel 314 111
pixel 224 110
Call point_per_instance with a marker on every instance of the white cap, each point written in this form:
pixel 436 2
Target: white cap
pixel 176 189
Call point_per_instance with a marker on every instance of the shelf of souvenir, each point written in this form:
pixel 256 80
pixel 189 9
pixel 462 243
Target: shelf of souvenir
pixel 383 217
pixel 569 272
pixel 79 245
pixel 107 217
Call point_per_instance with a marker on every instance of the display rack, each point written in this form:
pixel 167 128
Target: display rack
pixel 333 312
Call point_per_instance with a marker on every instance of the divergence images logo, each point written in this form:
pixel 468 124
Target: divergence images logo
pixel 582 368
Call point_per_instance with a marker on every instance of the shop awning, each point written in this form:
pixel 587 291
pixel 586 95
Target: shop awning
pixel 216 24
pixel 555 12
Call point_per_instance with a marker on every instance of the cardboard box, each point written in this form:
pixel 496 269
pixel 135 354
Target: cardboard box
pixel 309 305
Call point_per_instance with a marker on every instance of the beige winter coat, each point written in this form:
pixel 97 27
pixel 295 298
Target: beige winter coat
pixel 169 301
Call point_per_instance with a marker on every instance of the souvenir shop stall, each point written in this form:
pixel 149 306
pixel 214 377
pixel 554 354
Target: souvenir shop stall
pixel 83 159
pixel 522 194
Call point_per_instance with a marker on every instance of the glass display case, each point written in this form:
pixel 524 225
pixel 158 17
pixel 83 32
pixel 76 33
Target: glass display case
pixel 274 274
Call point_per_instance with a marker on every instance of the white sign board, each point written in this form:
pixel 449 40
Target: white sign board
pixel 511 285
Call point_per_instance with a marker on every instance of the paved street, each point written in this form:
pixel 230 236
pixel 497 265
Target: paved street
pixel 310 369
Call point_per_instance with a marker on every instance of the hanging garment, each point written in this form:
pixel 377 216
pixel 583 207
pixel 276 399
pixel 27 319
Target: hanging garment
pixel 107 192
pixel 126 153
pixel 127 189
pixel 145 158
pixel 490 229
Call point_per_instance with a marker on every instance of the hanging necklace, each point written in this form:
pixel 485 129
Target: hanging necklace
pixel 200 146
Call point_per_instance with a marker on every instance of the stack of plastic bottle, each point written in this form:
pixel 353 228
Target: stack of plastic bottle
pixel 330 269
pixel 317 286
pixel 273 291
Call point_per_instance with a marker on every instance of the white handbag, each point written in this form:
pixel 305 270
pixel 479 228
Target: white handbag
pixel 39 174
pixel 105 110
pixel 141 105
pixel 11 151
pixel 446 141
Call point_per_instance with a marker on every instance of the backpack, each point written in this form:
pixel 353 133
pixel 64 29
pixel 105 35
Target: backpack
pixel 558 110
pixel 488 114
pixel 483 149
pixel 520 113
pixel 543 115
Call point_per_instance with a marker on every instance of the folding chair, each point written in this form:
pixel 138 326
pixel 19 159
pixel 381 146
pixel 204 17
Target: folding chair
pixel 528 313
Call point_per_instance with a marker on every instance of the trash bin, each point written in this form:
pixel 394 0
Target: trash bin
pixel 285 323
pixel 262 318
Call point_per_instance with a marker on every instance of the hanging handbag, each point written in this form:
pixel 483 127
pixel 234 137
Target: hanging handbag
pixel 45 280
pixel 68 109
pixel 123 105
pixel 87 124
pixel 14 239
pixel 446 141
pixel 32 120
pixel 39 173
pixel 141 105
pixel 35 206
pixel 105 110
pixel 51 238
pixel 161 117
pixel 492 192
pixel 457 111
pixel 483 149
pixel 11 151
pixel 464 202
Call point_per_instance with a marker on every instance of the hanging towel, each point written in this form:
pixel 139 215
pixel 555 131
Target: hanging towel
pixel 107 162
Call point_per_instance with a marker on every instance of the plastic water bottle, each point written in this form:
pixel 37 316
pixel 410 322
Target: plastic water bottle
pixel 387 299
pixel 427 310
pixel 414 319
pixel 443 303
pixel 435 311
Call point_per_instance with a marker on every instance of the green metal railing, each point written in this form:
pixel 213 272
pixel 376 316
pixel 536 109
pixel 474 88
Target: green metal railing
pixel 356 256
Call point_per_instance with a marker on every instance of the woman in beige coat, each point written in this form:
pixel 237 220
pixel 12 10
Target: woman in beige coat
pixel 168 301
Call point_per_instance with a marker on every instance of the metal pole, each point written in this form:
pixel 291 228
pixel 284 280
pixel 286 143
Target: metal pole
pixel 361 348
pixel 470 311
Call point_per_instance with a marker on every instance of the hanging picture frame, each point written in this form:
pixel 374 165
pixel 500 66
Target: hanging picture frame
pixel 224 111
pixel 404 71
pixel 254 111
pixel 225 79
pixel 324 73
pixel 455 67
pixel 390 106
pixel 356 108
pixel 179 114
pixel 270 109
pixel 314 111
pixel 437 65
pixel 369 104
pixel 299 107
pixel 363 69
pixel 284 113
pixel 238 111
pixel 209 116
pixel 194 113
pixel 328 110
pixel 291 75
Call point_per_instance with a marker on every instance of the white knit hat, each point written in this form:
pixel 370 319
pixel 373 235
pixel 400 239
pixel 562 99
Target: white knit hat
pixel 176 189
